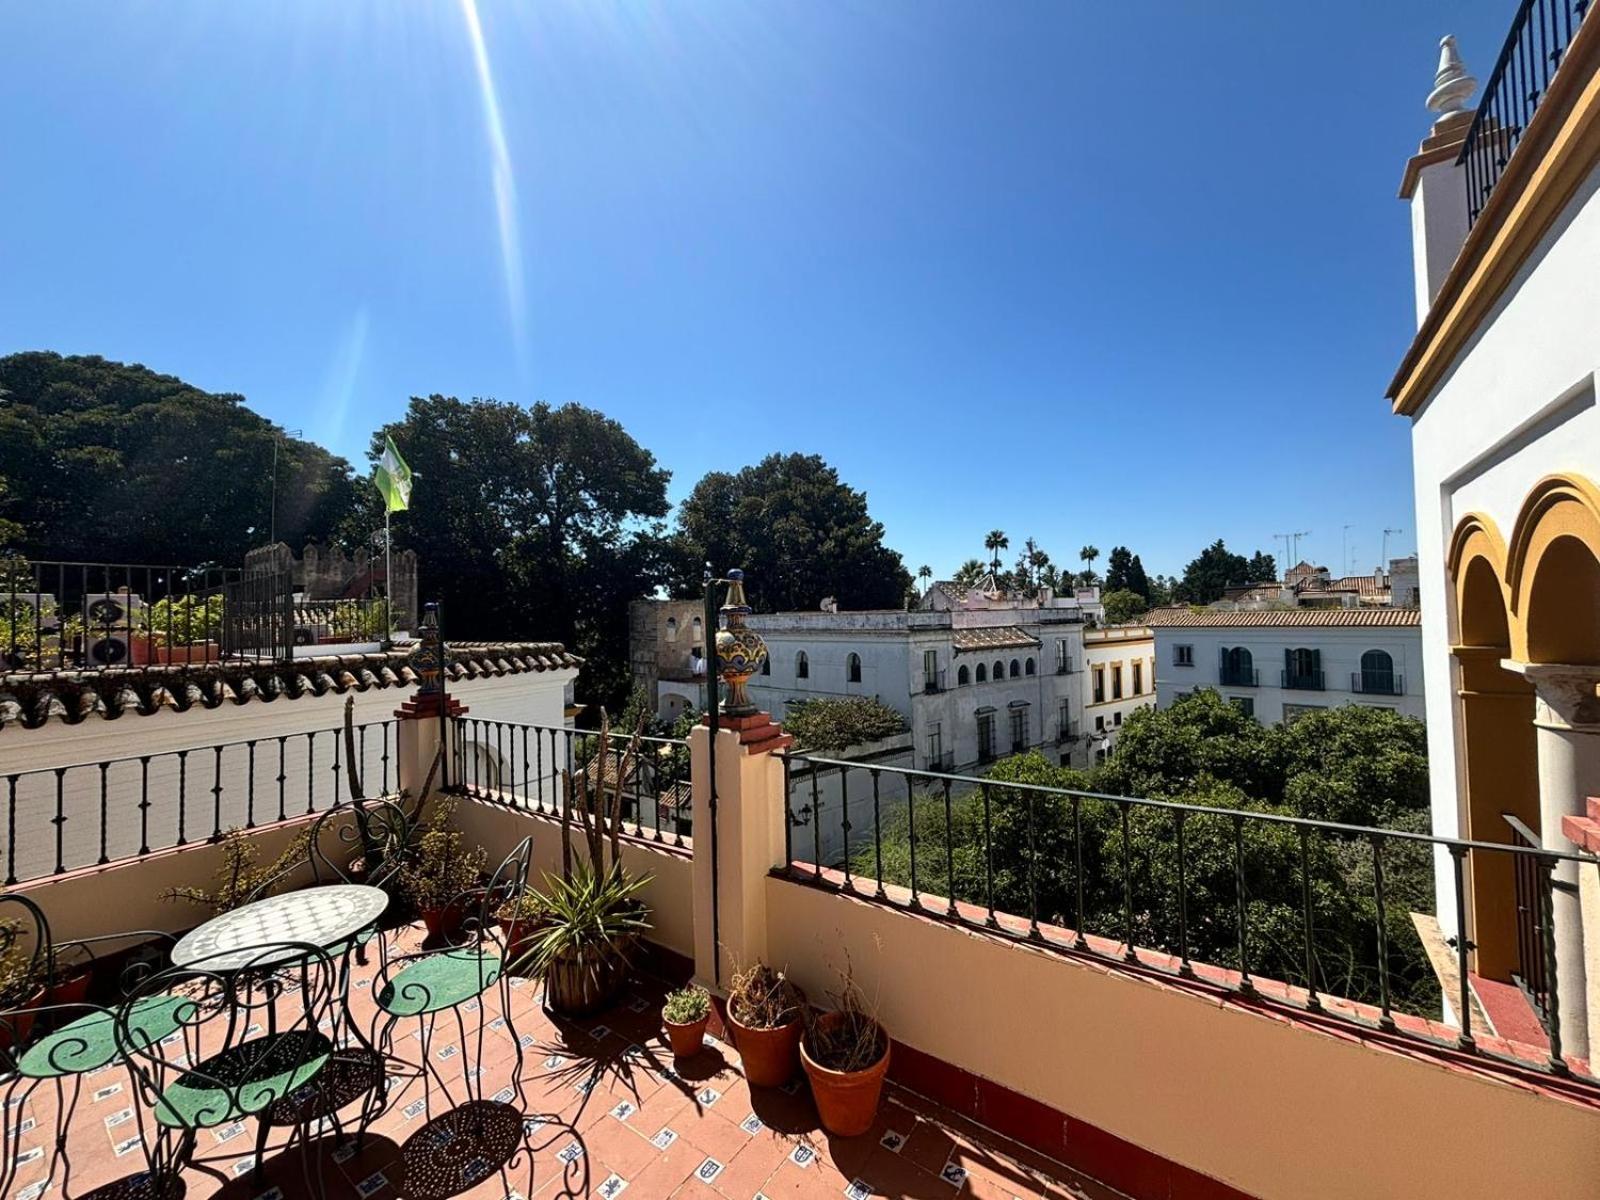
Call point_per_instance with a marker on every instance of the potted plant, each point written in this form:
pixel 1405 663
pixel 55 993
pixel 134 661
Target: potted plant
pixel 71 970
pixel 521 917
pixel 22 990
pixel 439 869
pixel 685 1015
pixel 594 914
pixel 846 1056
pixel 765 1014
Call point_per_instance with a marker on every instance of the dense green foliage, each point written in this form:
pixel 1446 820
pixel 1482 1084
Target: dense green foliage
pixel 1123 606
pixel 1216 568
pixel 829 725
pixel 1353 765
pixel 106 462
pixel 1124 572
pixel 797 531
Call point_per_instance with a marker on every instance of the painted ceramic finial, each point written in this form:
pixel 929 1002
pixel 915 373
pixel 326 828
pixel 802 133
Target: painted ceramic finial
pixel 1451 83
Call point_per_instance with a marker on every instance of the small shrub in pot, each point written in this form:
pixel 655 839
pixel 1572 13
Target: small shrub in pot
pixel 685 1015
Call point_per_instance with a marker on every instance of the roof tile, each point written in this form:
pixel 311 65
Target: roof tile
pixel 1184 618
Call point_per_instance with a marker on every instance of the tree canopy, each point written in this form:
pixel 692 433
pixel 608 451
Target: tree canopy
pixel 1216 568
pixel 798 532
pixel 1123 606
pixel 831 724
pixel 110 462
pixel 1124 572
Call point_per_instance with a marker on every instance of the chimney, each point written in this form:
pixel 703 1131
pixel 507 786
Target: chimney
pixel 1433 182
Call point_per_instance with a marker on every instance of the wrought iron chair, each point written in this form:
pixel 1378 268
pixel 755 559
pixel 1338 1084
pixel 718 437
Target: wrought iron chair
pixel 54 1043
pixel 250 1040
pixel 477 1135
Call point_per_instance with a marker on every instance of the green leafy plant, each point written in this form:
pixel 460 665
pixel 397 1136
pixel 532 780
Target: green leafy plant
pixel 687 1005
pixel 525 905
pixel 593 921
pixel 760 997
pixel 440 866
pixel 183 620
pixel 238 880
pixel 19 973
pixel 831 725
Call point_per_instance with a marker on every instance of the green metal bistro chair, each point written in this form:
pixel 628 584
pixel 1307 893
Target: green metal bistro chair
pixel 247 1044
pixel 476 1136
pixel 50 1045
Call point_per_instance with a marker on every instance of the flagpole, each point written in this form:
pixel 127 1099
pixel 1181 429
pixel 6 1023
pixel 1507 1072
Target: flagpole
pixel 388 577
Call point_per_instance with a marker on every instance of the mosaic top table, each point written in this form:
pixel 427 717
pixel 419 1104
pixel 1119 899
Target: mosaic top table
pixel 326 916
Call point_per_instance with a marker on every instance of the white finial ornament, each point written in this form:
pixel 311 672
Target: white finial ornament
pixel 1451 85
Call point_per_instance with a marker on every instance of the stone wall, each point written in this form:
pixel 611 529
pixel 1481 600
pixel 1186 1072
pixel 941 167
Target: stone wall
pixel 331 574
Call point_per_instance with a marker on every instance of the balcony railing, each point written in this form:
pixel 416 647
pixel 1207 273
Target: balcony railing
pixel 1540 34
pixel 1058 868
pixel 933 684
pixel 1066 666
pixel 1377 683
pixel 1240 676
pixel 1304 681
pixel 1532 921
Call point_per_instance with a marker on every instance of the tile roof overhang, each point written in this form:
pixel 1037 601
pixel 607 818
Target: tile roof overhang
pixel 998 637
pixel 32 699
pixel 1183 618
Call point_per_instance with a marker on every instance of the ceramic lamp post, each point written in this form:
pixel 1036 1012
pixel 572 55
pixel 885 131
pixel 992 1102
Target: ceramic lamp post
pixel 740 651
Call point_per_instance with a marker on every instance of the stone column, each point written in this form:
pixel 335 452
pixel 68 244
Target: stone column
pixel 730 918
pixel 425 717
pixel 1567 717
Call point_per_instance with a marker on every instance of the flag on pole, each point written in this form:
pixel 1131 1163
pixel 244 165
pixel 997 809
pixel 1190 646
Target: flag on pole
pixel 393 478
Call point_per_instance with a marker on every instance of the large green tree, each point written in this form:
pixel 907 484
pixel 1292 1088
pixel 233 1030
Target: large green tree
pixel 1124 572
pixel 539 522
pixel 799 533
pixel 104 461
pixel 1216 568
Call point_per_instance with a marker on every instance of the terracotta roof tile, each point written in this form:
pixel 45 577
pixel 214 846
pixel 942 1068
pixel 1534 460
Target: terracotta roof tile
pixel 31 699
pixel 1181 618
pixel 996 637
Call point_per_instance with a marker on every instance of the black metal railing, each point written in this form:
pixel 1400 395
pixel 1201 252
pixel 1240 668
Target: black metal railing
pixel 256 616
pixel 1378 683
pixel 86 616
pixel 523 766
pixel 1257 902
pixel 319 622
pixel 934 683
pixel 63 818
pixel 1065 666
pixel 1304 681
pixel 1533 934
pixel 1540 34
pixel 1237 676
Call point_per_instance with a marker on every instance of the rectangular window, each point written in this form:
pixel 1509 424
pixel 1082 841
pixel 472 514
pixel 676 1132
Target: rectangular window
pixel 1064 721
pixel 1138 679
pixel 1245 704
pixel 1099 757
pixel 930 670
pixel 1116 718
pixel 986 737
pixel 1100 724
pixel 1116 682
pixel 1183 656
pixel 1061 656
pixel 1019 730
pixel 935 747
pixel 1099 685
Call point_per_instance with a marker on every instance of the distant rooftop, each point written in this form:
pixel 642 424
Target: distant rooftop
pixel 1169 618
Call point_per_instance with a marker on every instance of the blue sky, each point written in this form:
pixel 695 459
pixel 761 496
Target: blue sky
pixel 1109 273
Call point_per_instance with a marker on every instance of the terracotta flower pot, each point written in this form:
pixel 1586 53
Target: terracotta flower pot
pixel 519 936
pixel 441 922
pixel 575 989
pixel 17 1023
pixel 771 1056
pixel 686 1039
pixel 72 988
pixel 847 1101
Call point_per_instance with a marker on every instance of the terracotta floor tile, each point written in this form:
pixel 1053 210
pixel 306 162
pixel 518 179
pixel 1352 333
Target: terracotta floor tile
pixel 747 1172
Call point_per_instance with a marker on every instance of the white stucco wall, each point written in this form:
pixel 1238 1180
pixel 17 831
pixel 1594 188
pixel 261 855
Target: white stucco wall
pixel 1341 646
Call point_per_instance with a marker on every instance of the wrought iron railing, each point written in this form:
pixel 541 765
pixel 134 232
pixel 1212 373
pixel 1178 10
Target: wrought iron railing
pixel 1378 683
pixel 1237 899
pixel 1540 34
pixel 1532 923
pixel 932 684
pixel 1237 676
pixel 523 766
pixel 318 622
pixel 1303 681
pixel 63 818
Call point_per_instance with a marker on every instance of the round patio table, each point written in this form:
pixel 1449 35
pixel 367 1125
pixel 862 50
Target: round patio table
pixel 327 916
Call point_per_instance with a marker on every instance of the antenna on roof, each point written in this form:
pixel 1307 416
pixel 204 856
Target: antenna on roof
pixel 1344 550
pixel 1384 562
pixel 1297 535
pixel 1284 538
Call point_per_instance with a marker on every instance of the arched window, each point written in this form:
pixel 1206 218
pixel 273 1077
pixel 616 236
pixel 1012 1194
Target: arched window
pixel 1027 667
pixel 982 677
pixel 672 629
pixel 1377 672
pixel 1016 668
pixel 1238 667
pixel 1302 668
pixel 999 670
pixel 802 666
pixel 852 668
pixel 697 628
pixel 964 676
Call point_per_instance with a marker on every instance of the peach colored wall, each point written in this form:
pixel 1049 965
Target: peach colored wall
pixel 1274 1109
pixel 669 892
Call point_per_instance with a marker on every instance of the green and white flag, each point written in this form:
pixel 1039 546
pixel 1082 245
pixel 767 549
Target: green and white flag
pixel 393 478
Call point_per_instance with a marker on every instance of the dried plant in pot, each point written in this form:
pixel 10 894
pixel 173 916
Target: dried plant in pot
pixel 22 988
pixel 521 918
pixel 766 1016
pixel 846 1057
pixel 438 869
pixel 685 1015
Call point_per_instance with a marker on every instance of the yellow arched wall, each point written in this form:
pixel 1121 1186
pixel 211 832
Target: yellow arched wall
pixel 1558 507
pixel 1475 538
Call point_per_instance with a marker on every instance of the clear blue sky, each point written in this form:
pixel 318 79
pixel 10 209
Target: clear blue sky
pixel 1109 273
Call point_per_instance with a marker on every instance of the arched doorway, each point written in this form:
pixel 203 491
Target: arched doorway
pixel 1498 753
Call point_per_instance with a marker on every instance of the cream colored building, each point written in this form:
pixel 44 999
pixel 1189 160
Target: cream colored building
pixel 1119 677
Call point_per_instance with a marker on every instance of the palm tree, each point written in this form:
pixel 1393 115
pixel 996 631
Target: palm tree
pixel 1089 554
pixel 994 543
pixel 925 573
pixel 968 573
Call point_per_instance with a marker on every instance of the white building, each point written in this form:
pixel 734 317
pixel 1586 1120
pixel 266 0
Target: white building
pixel 975 675
pixel 1119 677
pixel 1278 664
pixel 1499 387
